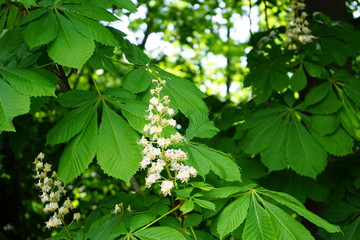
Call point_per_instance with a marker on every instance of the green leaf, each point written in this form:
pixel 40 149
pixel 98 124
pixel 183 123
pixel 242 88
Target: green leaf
pixel 158 233
pixel 76 98
pixel 200 126
pixel 34 14
pixel 183 94
pixel 118 94
pixel 340 143
pixel 12 104
pixel 293 204
pixel 330 104
pixel 304 154
pixel 352 231
pixel 32 82
pixel 225 192
pixel 41 31
pixel 286 227
pixel 137 80
pixel 133 53
pixel 90 11
pixel 350 118
pixel 80 151
pixel 92 29
pixel 134 112
pixel 28 3
pixel 258 224
pixel 273 157
pixel 324 124
pixel 188 206
pixel 233 215
pixel 205 159
pixel 70 48
pixel 205 204
pixel 117 154
pixel 316 94
pixel 107 227
pixel 192 220
pixel 298 81
pixel 140 220
pixel 10 43
pixel 316 70
pixel 258 139
pixel 70 125
pixel 127 4
pixel 261 86
pixel 278 78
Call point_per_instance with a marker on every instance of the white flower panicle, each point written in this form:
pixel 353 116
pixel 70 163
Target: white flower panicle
pixel 297 32
pixel 157 154
pixel 52 191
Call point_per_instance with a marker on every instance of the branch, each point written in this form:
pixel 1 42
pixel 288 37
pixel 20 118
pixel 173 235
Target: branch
pixel 136 186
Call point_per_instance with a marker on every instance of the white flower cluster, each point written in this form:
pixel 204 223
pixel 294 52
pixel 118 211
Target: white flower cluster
pixel 52 191
pixel 297 32
pixel 157 155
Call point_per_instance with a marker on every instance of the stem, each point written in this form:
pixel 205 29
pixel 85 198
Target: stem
pixel 156 220
pixel 96 86
pixel 193 233
pixel 67 230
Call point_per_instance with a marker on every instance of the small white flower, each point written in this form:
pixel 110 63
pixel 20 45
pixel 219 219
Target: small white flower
pixel 172 122
pixel 154 101
pixel 175 166
pixel 77 216
pixel 160 108
pixel 63 211
pixel 161 142
pixel 166 187
pixel 170 112
pixel 145 162
pixel 54 221
pixel 156 168
pixel 183 175
pixel 152 178
pixel 41 156
pixel 155 129
pixel 68 204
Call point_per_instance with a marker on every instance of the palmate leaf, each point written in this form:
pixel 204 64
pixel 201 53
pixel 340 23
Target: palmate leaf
pixel 200 126
pixel 295 205
pixel 117 153
pixel 96 13
pixel 127 4
pixel 12 104
pixel 76 98
pixel 80 151
pixel 162 232
pixel 258 223
pixel 282 140
pixel 205 159
pixel 303 153
pixel 286 227
pixel 134 112
pixel 339 143
pixel 233 215
pixel 70 48
pixel 41 31
pixel 70 125
pixel 273 156
pixel 92 29
pixel 298 81
pixel 32 82
pixel 137 80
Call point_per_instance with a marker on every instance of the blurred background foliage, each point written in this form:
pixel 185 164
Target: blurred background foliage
pixel 207 42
